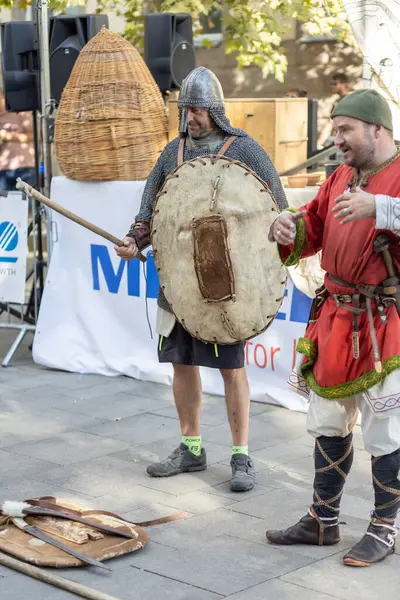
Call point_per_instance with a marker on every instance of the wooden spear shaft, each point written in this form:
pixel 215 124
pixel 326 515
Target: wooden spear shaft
pixel 60 582
pixel 25 187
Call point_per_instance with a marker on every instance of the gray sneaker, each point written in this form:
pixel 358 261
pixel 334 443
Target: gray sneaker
pixel 180 461
pixel 243 473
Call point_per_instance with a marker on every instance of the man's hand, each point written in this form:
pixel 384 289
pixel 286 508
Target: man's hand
pixel 283 229
pixel 128 250
pixel 353 207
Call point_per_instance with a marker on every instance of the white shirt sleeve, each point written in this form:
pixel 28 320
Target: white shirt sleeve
pixel 387 213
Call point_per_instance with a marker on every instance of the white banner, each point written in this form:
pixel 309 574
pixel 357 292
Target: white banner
pixel 93 312
pixel 13 247
pixel 376 24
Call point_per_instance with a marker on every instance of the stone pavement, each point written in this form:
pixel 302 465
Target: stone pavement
pixel 89 438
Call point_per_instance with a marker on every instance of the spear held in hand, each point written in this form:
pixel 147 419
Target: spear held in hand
pixel 30 191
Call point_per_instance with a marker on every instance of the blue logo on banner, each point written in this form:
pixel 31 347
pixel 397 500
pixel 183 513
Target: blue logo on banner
pixel 8 240
pixel 101 263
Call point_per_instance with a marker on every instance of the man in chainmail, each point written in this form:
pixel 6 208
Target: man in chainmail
pixel 203 129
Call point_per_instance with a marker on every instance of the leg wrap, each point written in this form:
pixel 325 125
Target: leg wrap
pixel 333 458
pixel 385 471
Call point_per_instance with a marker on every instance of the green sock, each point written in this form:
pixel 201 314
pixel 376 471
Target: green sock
pixel 193 442
pixel 240 450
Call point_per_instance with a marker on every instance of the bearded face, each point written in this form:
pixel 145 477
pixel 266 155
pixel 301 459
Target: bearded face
pixel 356 140
pixel 200 123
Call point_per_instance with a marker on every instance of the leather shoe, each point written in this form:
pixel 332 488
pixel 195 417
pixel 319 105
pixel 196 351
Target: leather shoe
pixel 373 547
pixel 307 531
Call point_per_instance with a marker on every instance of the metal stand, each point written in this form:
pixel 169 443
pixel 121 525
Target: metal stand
pixel 47 106
pixel 42 142
pixel 23 330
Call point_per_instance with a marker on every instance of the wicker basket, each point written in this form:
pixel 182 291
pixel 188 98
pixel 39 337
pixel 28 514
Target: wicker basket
pixel 112 122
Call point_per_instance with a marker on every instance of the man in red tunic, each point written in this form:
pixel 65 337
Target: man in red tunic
pixel 351 349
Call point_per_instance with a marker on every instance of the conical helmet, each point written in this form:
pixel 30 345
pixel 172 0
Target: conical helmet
pixel 202 89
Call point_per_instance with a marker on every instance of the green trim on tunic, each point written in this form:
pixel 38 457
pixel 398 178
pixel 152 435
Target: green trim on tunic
pixel 299 243
pixel 343 390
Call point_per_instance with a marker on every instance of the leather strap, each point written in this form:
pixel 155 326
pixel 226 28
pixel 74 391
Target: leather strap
pixel 227 144
pixel 391 287
pixel 180 151
pixel 167 519
pixel 50 503
pixel 222 151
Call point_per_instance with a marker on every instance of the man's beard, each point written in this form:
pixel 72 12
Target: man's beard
pixel 201 133
pixel 362 158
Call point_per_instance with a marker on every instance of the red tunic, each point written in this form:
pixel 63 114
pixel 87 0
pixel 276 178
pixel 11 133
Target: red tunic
pixel 348 253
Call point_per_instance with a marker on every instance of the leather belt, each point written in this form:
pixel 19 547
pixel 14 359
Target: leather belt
pixel 361 302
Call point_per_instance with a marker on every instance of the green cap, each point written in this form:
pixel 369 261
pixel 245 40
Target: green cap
pixel 365 105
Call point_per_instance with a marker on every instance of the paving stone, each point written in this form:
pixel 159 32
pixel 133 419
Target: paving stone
pixel 303 466
pixel 149 513
pixel 281 477
pixel 22 378
pixel 354 506
pixel 112 406
pixel 223 490
pixel 221 565
pixel 158 450
pixel 99 477
pixel 275 504
pixel 200 502
pixel 19 425
pixel 23 488
pixel 222 531
pixel 149 389
pixel 68 448
pixel 212 412
pixel 281 454
pixel 127 499
pixel 330 575
pixel 24 401
pixel 109 386
pixel 260 435
pixel 191 482
pixel 197 529
pixel 293 420
pixel 254 529
pixel 185 482
pixel 13 466
pixel 6 389
pixel 21 586
pixel 146 585
pixel 276 589
pixel 139 429
pixel 106 474
pixel 81 381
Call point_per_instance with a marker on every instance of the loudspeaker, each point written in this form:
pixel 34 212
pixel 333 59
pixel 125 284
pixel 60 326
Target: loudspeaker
pixel 312 127
pixel 68 35
pixel 20 66
pixel 168 48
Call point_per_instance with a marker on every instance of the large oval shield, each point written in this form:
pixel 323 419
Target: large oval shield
pixel 221 276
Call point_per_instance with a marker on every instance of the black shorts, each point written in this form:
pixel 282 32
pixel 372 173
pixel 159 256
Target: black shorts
pixel 180 348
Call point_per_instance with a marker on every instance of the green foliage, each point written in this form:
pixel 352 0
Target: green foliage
pixel 253 29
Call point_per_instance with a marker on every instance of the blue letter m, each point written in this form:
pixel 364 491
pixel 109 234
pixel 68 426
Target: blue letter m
pixel 100 255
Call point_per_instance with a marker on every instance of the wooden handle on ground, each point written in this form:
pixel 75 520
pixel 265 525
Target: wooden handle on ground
pixel 25 187
pixel 65 584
